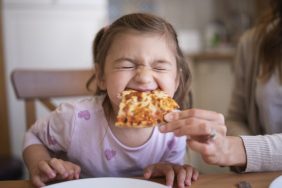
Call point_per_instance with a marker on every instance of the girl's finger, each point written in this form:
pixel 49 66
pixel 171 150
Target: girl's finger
pixel 45 169
pixel 189 173
pixel 148 171
pixel 195 175
pixel 72 169
pixel 181 175
pixel 71 174
pixel 57 165
pixel 169 174
pixel 37 181
pixel 77 170
pixel 160 170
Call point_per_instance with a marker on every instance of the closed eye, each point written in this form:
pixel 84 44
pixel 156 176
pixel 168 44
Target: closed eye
pixel 124 63
pixel 161 66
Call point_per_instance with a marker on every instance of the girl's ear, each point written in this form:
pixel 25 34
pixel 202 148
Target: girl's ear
pixel 100 78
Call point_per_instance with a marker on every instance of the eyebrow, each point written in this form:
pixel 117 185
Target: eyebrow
pixel 122 59
pixel 162 61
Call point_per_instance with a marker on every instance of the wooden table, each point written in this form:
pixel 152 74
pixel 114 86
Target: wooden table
pixel 257 180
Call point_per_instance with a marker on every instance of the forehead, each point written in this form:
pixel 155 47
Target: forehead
pixel 142 42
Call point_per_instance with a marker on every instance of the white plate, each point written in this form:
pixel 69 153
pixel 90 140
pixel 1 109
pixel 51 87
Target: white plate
pixel 276 183
pixel 107 183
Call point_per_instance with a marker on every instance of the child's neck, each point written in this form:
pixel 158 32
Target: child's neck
pixel 132 137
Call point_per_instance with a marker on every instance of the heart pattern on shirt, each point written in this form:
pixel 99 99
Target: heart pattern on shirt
pixel 109 154
pixel 84 115
pixel 171 143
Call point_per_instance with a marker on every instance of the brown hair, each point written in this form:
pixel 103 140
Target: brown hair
pixel 269 31
pixel 144 23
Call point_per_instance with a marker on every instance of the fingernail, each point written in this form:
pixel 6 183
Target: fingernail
pixel 52 175
pixel 162 128
pixel 77 176
pixel 66 174
pixel 169 117
pixel 146 175
pixel 187 182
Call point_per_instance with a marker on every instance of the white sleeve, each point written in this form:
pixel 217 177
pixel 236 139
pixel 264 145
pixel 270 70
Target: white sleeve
pixel 264 153
pixel 54 131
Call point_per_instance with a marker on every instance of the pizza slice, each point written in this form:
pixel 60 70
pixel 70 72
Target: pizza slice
pixel 143 109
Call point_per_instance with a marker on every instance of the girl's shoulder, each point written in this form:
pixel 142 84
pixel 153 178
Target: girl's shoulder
pixel 93 103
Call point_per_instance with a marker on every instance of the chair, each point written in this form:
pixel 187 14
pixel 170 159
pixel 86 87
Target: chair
pixel 42 85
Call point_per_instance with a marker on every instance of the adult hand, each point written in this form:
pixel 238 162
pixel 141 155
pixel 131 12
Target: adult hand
pixel 206 133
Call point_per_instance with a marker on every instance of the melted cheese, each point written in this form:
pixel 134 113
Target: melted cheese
pixel 143 109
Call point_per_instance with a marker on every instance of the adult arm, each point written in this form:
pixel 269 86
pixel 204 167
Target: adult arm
pixel 237 118
pixel 249 153
pixel 264 153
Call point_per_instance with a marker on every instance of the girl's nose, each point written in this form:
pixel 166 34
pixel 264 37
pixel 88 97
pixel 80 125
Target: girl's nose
pixel 143 75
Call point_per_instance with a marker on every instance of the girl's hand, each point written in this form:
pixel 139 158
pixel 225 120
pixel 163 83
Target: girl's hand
pixel 53 170
pixel 206 131
pixel 185 174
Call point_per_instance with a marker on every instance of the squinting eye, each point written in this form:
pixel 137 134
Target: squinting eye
pixel 160 68
pixel 127 67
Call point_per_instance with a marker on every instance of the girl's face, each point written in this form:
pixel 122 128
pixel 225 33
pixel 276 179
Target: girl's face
pixel 139 61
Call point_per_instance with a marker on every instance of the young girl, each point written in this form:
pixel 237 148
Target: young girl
pixel 137 51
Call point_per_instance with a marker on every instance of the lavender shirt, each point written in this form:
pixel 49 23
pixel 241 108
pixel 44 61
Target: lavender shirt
pixel 81 130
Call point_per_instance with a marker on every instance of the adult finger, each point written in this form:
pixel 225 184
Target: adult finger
pixel 193 127
pixel 202 148
pixel 197 113
pixel 207 150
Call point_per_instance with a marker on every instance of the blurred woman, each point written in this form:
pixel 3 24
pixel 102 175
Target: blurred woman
pixel 256 106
